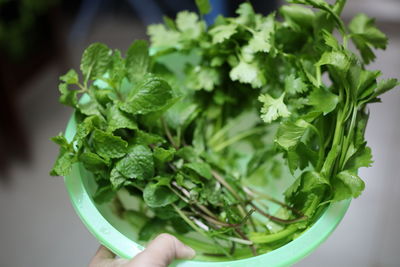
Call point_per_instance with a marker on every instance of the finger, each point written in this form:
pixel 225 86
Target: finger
pixel 102 256
pixel 162 251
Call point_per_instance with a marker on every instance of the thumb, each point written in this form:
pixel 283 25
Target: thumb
pixel 162 251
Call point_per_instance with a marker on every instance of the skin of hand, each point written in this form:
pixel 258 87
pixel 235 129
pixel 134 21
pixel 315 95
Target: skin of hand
pixel 159 253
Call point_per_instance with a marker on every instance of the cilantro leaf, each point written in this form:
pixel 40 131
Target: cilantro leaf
pixel 362 158
pixel 160 36
pixel 248 73
pixel 189 25
pixel 346 185
pixel 273 108
pixel 365 35
pixel 289 133
pixel 298 17
pixel 335 58
pixel 294 85
pixel 204 78
pixel 246 14
pixel 323 100
pixel 261 41
pixel 223 32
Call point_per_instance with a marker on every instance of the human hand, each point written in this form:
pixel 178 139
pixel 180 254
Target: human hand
pixel 159 253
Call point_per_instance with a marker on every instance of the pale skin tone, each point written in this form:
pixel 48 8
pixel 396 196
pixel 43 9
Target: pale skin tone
pixel 159 253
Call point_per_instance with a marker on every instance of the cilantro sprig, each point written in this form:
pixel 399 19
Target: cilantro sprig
pixel 190 126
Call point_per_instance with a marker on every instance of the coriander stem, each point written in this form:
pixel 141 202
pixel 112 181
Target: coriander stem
pixel 262 239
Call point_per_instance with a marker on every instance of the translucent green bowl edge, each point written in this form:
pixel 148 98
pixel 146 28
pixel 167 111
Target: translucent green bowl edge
pixel 124 247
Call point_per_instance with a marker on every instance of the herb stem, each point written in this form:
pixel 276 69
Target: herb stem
pixel 237 138
pixel 276 219
pixel 168 134
pixel 241 206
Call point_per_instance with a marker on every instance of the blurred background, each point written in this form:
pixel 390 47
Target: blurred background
pixel 42 39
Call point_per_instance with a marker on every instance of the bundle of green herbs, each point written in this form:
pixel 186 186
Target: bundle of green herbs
pixel 197 125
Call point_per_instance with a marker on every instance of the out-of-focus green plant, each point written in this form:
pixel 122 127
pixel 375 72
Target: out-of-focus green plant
pixel 18 22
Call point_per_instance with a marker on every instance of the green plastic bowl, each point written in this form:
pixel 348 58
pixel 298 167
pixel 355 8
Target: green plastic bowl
pixel 119 236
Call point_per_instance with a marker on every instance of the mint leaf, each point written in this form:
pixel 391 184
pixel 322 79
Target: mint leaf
pixel 201 168
pixel 137 164
pixel 71 77
pixel 93 162
pixel 104 194
pixel 137 60
pixel 68 97
pixel 148 138
pixel 152 94
pixel 117 179
pixel 118 119
pixel 203 6
pixel 156 195
pixel 273 108
pixel 152 228
pixel 89 108
pixel 95 60
pixel 164 155
pixel 181 114
pixel 107 145
pixel 65 159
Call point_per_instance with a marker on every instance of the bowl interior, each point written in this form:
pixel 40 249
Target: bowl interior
pixel 121 236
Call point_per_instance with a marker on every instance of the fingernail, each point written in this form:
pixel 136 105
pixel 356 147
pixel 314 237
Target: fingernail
pixel 188 252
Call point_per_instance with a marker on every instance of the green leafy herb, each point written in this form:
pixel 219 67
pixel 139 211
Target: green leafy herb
pixel 196 129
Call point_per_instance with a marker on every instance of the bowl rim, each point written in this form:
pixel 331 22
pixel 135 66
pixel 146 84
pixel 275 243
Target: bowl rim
pixel 124 247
